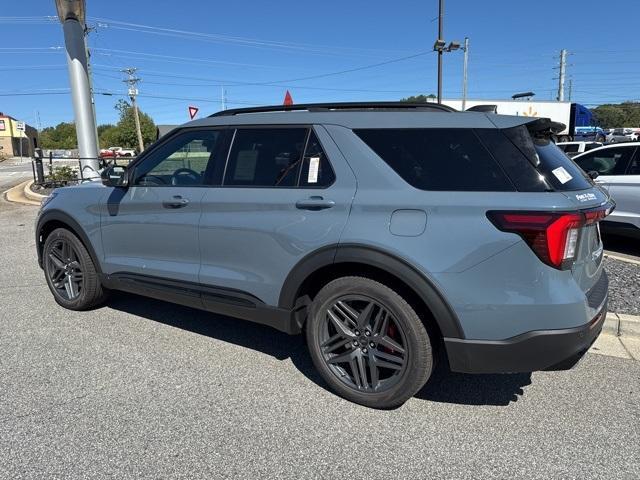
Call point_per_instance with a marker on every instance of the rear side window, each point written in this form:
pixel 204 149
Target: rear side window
pixel 558 170
pixel 438 159
pixel 608 161
pixel 316 169
pixel 265 157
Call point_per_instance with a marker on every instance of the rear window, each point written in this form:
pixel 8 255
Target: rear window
pixel 438 159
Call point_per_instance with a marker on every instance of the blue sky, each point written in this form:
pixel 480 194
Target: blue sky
pixel 187 51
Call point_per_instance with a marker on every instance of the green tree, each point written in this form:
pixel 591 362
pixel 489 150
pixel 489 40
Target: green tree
pixel 123 134
pixel 60 137
pixel 626 114
pixel 419 98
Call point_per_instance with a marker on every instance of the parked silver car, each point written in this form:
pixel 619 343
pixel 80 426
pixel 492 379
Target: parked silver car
pixel 620 135
pixel 618 168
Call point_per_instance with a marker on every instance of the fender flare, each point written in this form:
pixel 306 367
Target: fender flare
pixel 423 286
pixel 62 217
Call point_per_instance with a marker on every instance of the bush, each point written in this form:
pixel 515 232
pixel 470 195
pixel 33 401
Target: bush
pixel 63 174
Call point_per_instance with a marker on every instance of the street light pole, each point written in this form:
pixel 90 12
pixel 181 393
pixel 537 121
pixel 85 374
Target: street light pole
pixel 464 72
pixel 72 18
pixel 440 39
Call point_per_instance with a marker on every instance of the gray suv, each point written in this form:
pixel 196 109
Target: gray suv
pixel 385 232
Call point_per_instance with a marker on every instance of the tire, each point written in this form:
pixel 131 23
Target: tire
pixel 70 272
pixel 346 356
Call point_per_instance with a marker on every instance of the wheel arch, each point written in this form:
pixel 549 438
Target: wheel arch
pixel 52 219
pixel 348 259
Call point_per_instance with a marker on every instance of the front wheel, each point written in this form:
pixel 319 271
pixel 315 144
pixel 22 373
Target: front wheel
pixel 70 272
pixel 368 343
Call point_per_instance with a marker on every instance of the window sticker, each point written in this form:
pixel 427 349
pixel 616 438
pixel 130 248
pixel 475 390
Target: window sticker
pixel 562 175
pixel 246 165
pixel 314 164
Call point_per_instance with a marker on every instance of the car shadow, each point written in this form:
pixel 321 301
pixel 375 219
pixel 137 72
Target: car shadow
pixel 444 386
pixel 620 244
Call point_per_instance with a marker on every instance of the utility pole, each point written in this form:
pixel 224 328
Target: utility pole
pixel 440 39
pixel 132 81
pixel 563 69
pixel 223 98
pixel 465 65
pixel 570 88
pixel 72 15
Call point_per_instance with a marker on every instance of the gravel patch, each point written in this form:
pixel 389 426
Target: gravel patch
pixel 624 286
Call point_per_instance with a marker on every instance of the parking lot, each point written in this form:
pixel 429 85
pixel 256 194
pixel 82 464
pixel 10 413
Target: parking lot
pixel 143 389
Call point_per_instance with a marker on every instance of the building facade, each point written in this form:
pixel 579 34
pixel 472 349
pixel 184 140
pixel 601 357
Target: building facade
pixel 11 138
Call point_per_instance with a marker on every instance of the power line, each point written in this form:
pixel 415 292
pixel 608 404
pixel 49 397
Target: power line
pixel 233 39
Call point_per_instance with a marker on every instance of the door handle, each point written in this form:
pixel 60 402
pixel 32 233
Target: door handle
pixel 177 202
pixel 314 203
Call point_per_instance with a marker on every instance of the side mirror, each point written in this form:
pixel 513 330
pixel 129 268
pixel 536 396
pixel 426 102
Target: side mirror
pixel 593 174
pixel 115 176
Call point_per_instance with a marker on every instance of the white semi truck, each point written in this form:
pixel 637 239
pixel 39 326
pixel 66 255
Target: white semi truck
pixel 572 115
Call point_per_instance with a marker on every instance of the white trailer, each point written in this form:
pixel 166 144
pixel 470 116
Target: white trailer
pixel 567 113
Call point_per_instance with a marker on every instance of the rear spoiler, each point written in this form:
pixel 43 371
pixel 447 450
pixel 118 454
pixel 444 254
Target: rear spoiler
pixel 545 127
pixel 483 108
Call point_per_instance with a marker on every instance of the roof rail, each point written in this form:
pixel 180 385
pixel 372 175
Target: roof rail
pixel 324 107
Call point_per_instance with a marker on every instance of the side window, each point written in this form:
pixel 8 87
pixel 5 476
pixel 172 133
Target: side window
pixel 438 158
pixel 316 169
pixel 634 168
pixel 185 159
pixel 607 161
pixel 265 157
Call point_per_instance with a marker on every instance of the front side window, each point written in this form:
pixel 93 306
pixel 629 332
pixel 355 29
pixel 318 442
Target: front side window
pixel 438 158
pixel 607 161
pixel 185 160
pixel 265 157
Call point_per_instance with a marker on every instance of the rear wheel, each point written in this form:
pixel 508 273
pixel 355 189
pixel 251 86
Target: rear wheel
pixel 71 275
pixel 368 343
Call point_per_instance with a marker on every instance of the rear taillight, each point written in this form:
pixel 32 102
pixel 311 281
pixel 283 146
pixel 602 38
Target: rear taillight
pixel 552 236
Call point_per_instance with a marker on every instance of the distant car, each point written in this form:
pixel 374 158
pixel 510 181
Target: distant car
pixel 117 152
pixel 620 135
pixel 595 134
pixel 618 168
pixel 576 148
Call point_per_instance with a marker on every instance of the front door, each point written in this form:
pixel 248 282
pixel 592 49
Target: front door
pixel 287 192
pixel 151 228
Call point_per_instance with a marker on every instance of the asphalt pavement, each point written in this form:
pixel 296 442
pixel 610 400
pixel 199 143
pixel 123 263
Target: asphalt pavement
pixel 13 171
pixel 143 389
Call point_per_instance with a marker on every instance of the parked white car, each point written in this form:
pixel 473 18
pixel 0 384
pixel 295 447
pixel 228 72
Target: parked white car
pixel 576 148
pixel 618 168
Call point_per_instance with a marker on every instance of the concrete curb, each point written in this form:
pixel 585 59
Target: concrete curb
pixel 621 324
pixel 17 194
pixel 621 258
pixel 31 195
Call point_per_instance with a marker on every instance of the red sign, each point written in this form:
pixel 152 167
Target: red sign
pixel 287 99
pixel 193 111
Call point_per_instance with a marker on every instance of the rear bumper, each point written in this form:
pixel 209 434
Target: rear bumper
pixel 531 351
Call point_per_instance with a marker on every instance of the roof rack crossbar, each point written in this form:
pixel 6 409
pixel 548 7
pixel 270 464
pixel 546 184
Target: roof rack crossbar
pixel 323 107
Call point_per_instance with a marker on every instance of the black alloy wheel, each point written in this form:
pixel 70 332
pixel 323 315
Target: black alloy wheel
pixel 362 344
pixel 64 269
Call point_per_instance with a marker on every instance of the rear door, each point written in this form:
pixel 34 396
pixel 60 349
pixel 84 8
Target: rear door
pixel 151 228
pixel 610 163
pixel 625 190
pixel 287 192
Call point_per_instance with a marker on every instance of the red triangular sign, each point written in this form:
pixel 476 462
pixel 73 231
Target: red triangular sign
pixel 193 111
pixel 287 99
